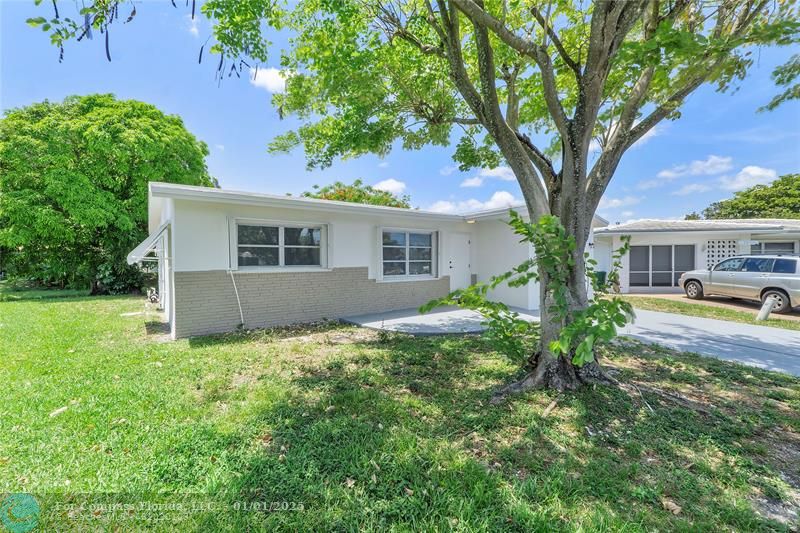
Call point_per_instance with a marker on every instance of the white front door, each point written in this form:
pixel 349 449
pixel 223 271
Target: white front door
pixel 458 267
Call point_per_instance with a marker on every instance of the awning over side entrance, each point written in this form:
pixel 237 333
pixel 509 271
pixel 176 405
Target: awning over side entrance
pixel 146 246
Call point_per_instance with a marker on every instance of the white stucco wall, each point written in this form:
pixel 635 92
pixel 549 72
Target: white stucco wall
pixel 497 250
pixel 202 238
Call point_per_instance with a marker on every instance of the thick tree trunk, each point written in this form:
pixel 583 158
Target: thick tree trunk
pixel 556 371
pixel 547 369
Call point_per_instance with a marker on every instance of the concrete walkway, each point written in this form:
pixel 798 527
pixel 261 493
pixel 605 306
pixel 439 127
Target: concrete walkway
pixel 760 346
pixel 443 321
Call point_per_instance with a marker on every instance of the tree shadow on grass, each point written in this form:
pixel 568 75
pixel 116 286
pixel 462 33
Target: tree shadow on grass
pixel 264 335
pixel 399 433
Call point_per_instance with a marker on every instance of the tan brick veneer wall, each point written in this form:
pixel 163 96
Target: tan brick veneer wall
pixel 205 302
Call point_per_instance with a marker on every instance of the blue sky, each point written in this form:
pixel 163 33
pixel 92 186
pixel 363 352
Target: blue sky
pixel 721 144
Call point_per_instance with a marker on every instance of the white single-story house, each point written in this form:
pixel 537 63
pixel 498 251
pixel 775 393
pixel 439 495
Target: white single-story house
pixel 227 258
pixel 661 250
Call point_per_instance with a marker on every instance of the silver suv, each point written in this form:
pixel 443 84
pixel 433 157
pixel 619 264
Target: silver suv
pixel 752 277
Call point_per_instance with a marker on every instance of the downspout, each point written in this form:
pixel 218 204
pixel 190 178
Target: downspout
pixel 236 291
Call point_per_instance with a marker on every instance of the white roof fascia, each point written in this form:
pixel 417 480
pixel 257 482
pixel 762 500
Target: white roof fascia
pixel 187 192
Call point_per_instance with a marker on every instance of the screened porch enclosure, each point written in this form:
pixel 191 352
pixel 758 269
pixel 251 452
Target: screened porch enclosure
pixel 659 265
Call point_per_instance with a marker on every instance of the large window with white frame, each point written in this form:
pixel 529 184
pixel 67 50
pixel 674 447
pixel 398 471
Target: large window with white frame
pixel 408 254
pixel 265 245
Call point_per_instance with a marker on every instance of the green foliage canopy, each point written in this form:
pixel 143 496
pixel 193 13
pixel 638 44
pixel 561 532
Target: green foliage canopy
pixel 73 186
pixel 359 193
pixel 780 199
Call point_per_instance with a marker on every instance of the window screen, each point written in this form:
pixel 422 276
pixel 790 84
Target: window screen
pixel 640 258
pixel 639 275
pixel 778 247
pixel 684 260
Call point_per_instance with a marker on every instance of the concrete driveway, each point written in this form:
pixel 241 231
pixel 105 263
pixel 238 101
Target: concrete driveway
pixel 761 346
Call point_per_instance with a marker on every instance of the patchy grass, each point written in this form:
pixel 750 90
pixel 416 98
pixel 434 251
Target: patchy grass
pixel 708 311
pixel 337 428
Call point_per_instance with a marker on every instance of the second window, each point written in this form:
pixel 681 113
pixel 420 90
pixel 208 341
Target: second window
pixel 407 253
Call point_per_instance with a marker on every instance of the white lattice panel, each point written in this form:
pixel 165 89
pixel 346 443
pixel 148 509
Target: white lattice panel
pixel 719 249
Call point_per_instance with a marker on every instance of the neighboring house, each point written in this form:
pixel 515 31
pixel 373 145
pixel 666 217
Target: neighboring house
pixel 661 250
pixel 228 258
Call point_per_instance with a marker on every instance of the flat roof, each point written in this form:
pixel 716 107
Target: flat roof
pixel 211 194
pixel 659 226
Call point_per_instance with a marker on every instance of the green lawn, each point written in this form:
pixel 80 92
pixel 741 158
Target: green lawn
pixel 355 430
pixel 708 311
pixel 12 293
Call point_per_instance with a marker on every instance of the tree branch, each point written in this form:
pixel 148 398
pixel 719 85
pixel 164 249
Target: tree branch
pixel 574 66
pixel 543 163
pixel 481 18
pixel 505 138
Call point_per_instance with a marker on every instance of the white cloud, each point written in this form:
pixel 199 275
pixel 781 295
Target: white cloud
pixel 627 214
pixel 747 177
pixel 714 164
pixel 191 25
pixel 271 79
pixel 652 132
pixel 498 200
pixel 502 173
pixel 383 164
pixel 475 181
pixel 649 184
pixel 391 185
pixel 691 188
pixel 449 169
pixel 220 147
pixel 615 203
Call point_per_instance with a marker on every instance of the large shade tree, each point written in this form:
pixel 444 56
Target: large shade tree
pixel 492 77
pixel 73 186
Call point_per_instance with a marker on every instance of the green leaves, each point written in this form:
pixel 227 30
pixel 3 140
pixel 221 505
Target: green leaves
pixel 36 21
pixel 779 199
pixel 73 191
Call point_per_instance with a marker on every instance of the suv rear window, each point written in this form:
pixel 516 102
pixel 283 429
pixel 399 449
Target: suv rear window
pixel 785 266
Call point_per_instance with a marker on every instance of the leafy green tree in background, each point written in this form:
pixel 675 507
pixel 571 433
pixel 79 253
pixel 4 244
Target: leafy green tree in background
pixel 363 77
pixel 73 187
pixel 358 193
pixel 779 199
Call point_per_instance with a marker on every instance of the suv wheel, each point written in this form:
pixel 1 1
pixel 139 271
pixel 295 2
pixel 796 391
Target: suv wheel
pixel 781 300
pixel 693 290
